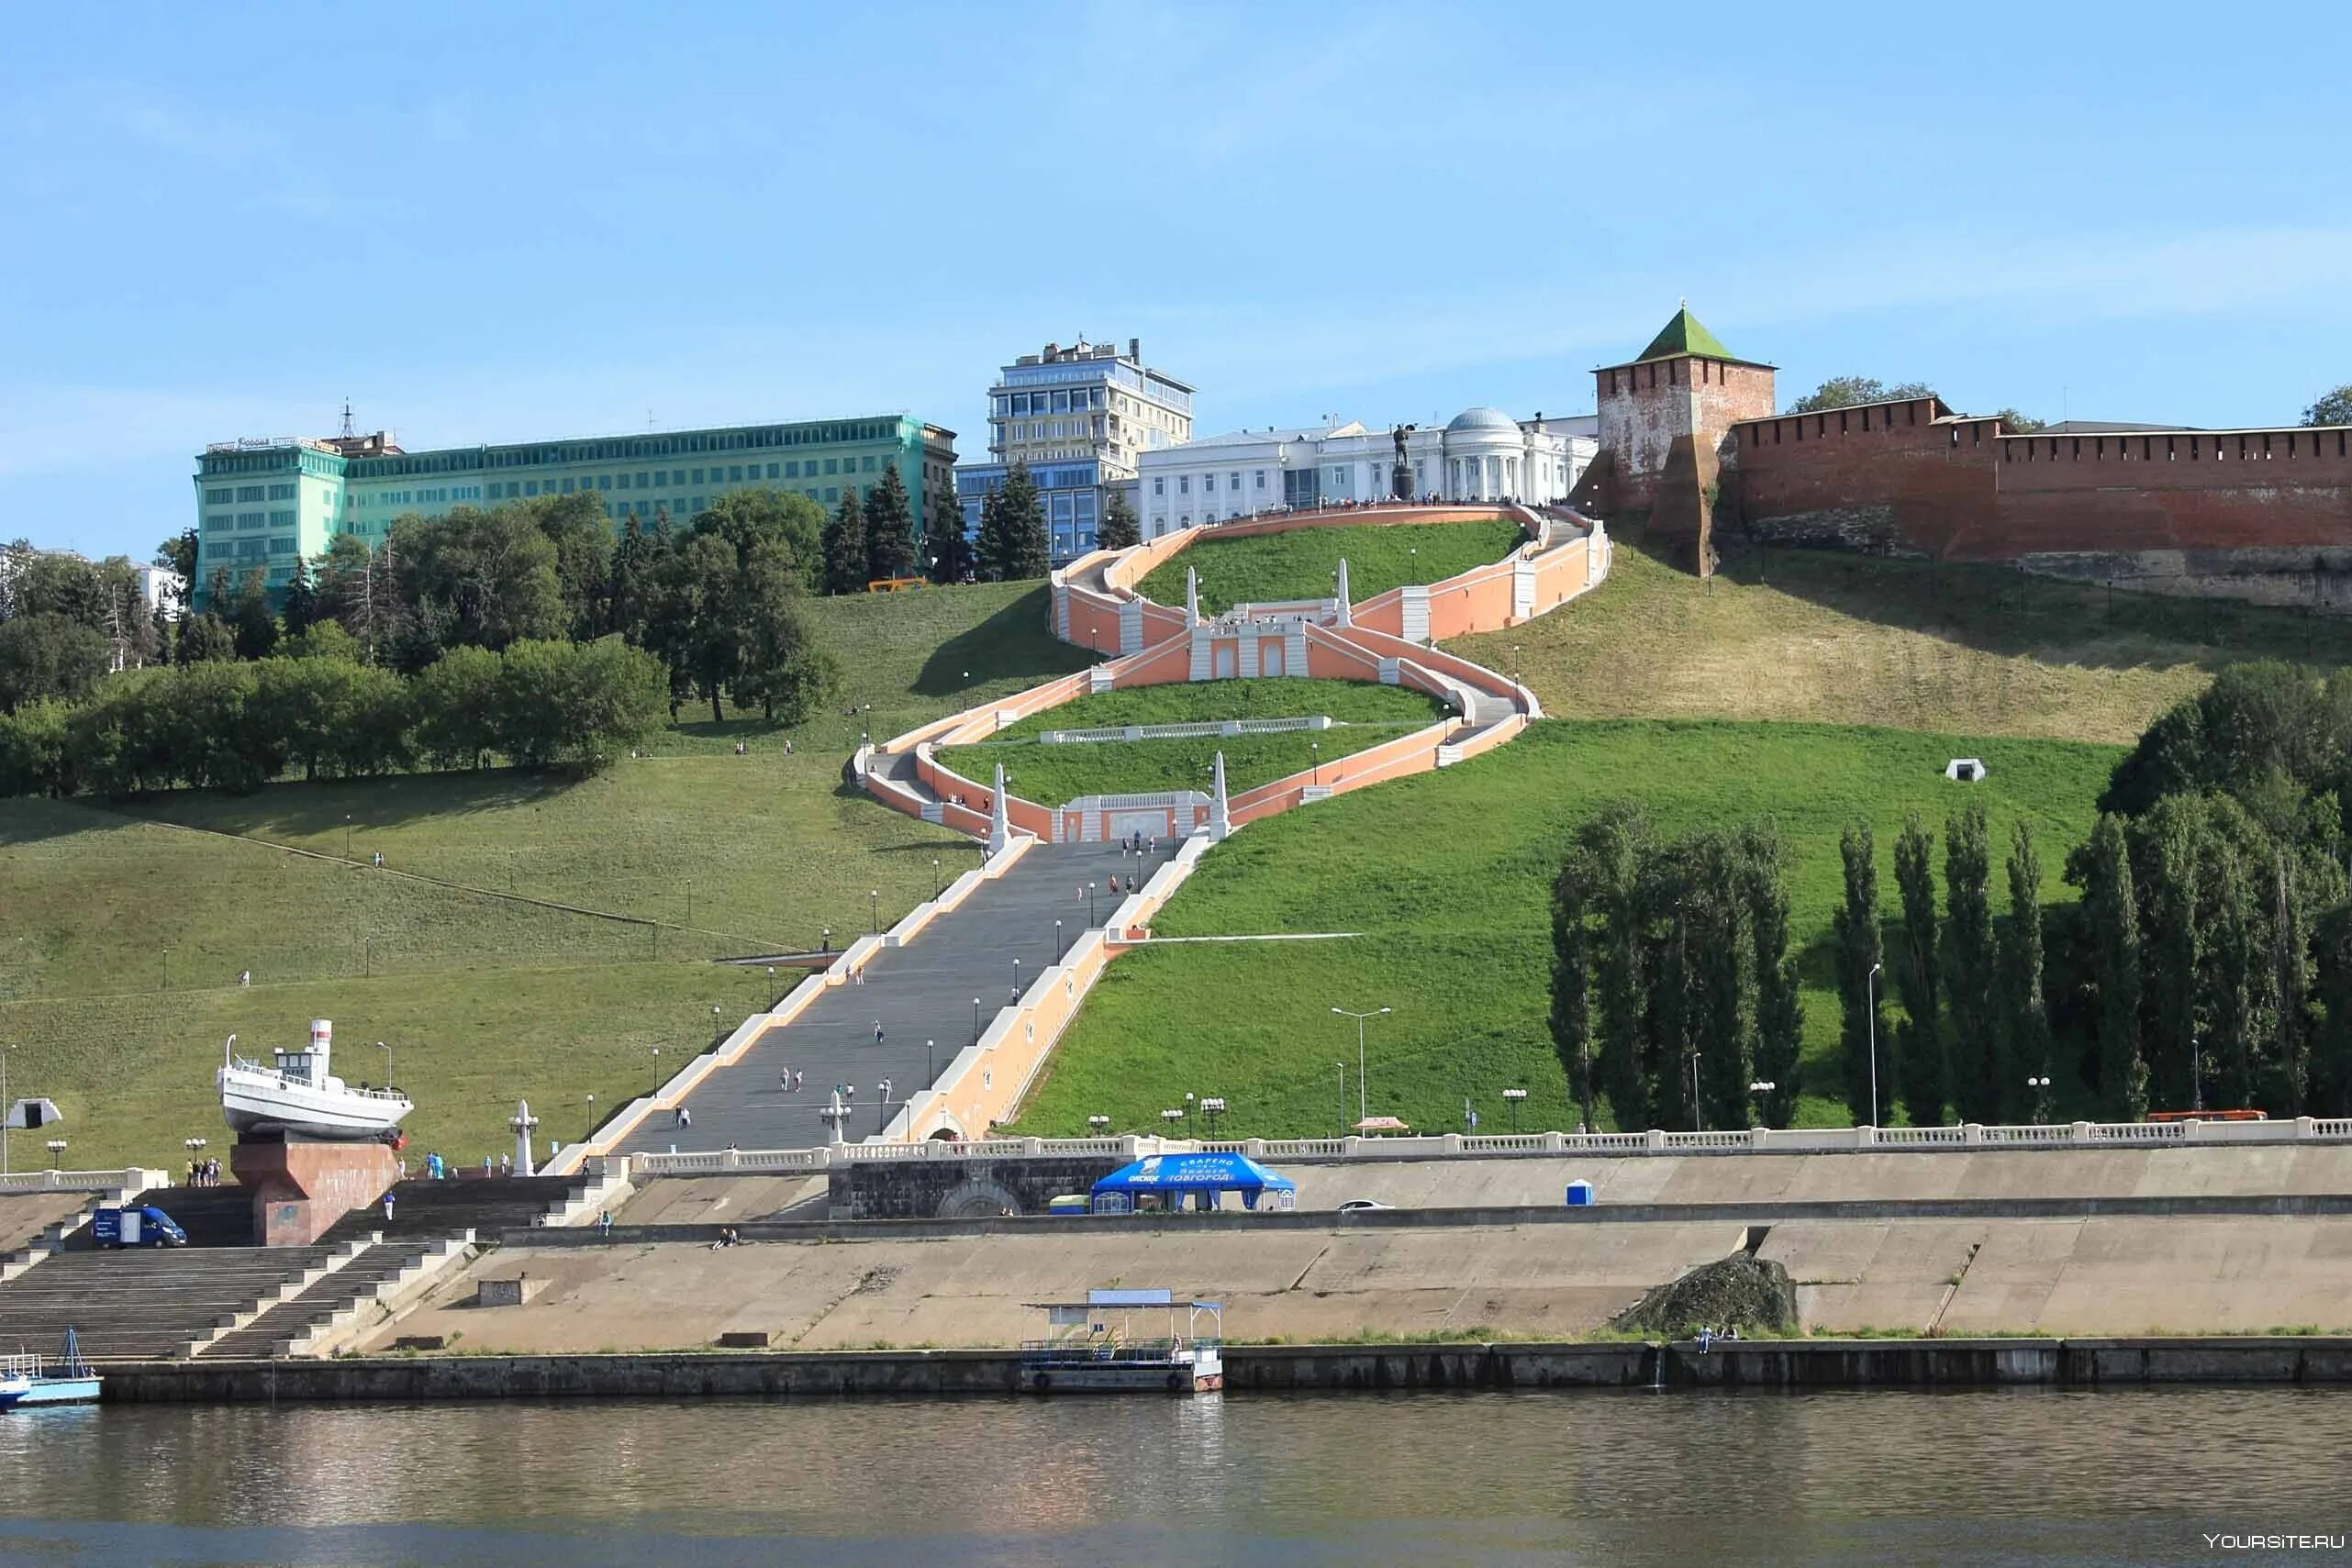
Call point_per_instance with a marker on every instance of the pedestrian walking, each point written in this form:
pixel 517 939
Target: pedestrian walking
pixel 387 1205
pixel 799 1078
pixel 877 1031
pixel 686 1116
pixel 784 1081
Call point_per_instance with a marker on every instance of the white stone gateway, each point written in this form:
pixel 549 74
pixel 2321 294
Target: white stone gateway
pixel 1964 770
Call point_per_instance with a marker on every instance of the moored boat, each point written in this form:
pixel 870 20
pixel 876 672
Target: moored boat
pixel 1090 1349
pixel 30 1380
pixel 296 1095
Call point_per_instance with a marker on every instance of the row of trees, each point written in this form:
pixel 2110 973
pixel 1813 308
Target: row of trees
pixel 1673 991
pixel 1851 391
pixel 64 622
pixel 315 709
pixel 1982 975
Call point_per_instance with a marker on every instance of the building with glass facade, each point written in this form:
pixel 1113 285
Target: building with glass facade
pixel 1081 417
pixel 271 501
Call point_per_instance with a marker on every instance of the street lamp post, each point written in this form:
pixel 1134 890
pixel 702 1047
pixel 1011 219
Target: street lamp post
pixel 387 1063
pixel 938 886
pixel 1342 1096
pixel 1870 988
pixel 56 1153
pixel 2196 1076
pixel 1058 948
pixel 1363 1101
pixel 689 901
pixel 1098 1123
pixel 367 958
pixel 930 1064
pixel 1091 921
pixel 1698 1112
pixel 771 988
pixel 1315 762
pixel 1212 1106
pixel 1168 1119
pixel 1016 979
pixel 347 835
pixel 167 969
pixel 1513 1097
pixel 828 939
pixel 1762 1089
pixel 873 910
pixel 2039 1083
pixel 976 1020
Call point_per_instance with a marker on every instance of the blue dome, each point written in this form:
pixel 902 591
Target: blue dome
pixel 1482 419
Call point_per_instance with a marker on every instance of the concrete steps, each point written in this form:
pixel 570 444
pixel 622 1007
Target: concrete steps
pixel 146 1303
pixel 306 1321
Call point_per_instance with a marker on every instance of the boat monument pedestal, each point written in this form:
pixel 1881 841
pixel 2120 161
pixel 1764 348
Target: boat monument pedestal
pixel 302 1186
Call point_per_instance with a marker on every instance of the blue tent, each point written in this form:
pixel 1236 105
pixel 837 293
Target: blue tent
pixel 1172 1176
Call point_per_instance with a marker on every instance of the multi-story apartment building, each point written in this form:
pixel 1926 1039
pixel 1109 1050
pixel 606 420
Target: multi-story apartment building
pixel 276 500
pixel 1081 417
pixel 1483 454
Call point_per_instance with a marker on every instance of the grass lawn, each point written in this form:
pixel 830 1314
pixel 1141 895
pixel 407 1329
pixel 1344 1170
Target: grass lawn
pixel 1447 875
pixel 1848 640
pixel 1300 564
pixel 485 996
pixel 1054 774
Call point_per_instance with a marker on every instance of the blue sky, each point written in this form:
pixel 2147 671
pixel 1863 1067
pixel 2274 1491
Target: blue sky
pixel 486 222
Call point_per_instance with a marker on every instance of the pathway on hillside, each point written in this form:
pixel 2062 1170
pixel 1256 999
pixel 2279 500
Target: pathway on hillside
pixel 924 991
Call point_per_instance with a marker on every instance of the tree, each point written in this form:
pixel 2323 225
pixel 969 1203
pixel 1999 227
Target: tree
pixel 1860 952
pixel 2331 408
pixel 1847 391
pixel 359 589
pixel 2024 1036
pixel 781 667
pixel 1926 1067
pixel 1012 542
pixel 298 609
pixel 202 637
pixel 1779 1010
pixel 1571 1017
pixel 1119 528
pixel 484 579
pixel 2331 1070
pixel 2167 851
pixel 582 537
pixel 453 695
pixel 635 580
pixel 844 546
pixel 889 528
pixel 1970 964
pixel 2112 904
pixel 177 554
pixel 252 618
pixel 2016 424
pixel 746 519
pixel 949 550
pixel 1615 841
pixel 47 655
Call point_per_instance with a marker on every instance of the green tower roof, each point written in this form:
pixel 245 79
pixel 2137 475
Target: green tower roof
pixel 1684 335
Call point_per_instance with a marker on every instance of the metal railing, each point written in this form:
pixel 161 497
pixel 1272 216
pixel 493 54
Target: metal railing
pixel 1725 1142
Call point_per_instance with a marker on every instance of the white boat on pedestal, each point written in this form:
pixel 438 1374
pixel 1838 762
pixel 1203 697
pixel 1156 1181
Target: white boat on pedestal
pixel 297 1095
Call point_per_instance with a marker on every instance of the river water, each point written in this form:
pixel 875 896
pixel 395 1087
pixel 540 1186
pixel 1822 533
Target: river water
pixel 1993 1477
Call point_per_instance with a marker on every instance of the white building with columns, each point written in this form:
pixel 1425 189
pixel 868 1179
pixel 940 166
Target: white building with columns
pixel 1481 454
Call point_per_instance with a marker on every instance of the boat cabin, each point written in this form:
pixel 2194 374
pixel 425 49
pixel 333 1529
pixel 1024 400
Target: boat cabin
pixel 1121 1341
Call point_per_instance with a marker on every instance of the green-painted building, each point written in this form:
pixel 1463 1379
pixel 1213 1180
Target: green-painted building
pixel 276 500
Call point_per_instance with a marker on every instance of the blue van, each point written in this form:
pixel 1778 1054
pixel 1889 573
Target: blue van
pixel 138 1224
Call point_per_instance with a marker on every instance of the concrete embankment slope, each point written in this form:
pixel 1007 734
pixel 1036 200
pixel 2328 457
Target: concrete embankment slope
pixel 1512 1274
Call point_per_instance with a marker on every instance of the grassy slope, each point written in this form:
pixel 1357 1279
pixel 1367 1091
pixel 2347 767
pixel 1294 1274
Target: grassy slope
pixel 1300 564
pixel 1800 635
pixel 1054 774
pixel 1447 876
pixel 485 997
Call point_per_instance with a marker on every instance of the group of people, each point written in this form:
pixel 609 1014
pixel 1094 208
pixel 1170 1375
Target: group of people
pixel 1707 1337
pixel 202 1173
pixel 727 1236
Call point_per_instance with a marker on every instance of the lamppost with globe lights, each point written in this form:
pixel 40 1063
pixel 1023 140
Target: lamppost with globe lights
pixel 1211 1107
pixel 1169 1117
pixel 56 1153
pixel 1514 1098
pixel 1098 1123
pixel 1762 1089
pixel 2039 1084
pixel 976 1020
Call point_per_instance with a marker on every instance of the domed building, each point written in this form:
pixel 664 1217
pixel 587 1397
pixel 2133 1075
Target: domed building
pixel 1480 454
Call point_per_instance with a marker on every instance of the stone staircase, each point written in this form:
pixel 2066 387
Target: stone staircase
pixel 379 1277
pixel 149 1304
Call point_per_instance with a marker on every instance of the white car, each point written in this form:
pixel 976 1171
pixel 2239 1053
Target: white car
pixel 1362 1205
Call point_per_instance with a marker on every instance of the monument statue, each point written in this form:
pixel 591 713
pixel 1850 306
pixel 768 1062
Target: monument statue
pixel 1400 470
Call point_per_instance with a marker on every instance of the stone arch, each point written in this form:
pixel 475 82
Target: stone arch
pixel 977 1198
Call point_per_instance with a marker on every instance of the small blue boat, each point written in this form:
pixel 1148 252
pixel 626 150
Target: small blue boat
pixel 29 1380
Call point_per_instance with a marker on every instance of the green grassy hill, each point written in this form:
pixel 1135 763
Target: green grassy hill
pixel 1300 564
pixel 1446 879
pixel 1848 640
pixel 1058 773
pixel 452 953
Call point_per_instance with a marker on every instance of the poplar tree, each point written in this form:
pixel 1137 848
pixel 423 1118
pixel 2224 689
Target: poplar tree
pixel 2023 1042
pixel 2289 973
pixel 1613 841
pixel 2171 844
pixel 2112 905
pixel 1860 948
pixel 2234 956
pixel 1968 964
pixel 2330 1092
pixel 1780 1011
pixel 1720 946
pixel 1926 1067
pixel 1571 1017
pixel 889 528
